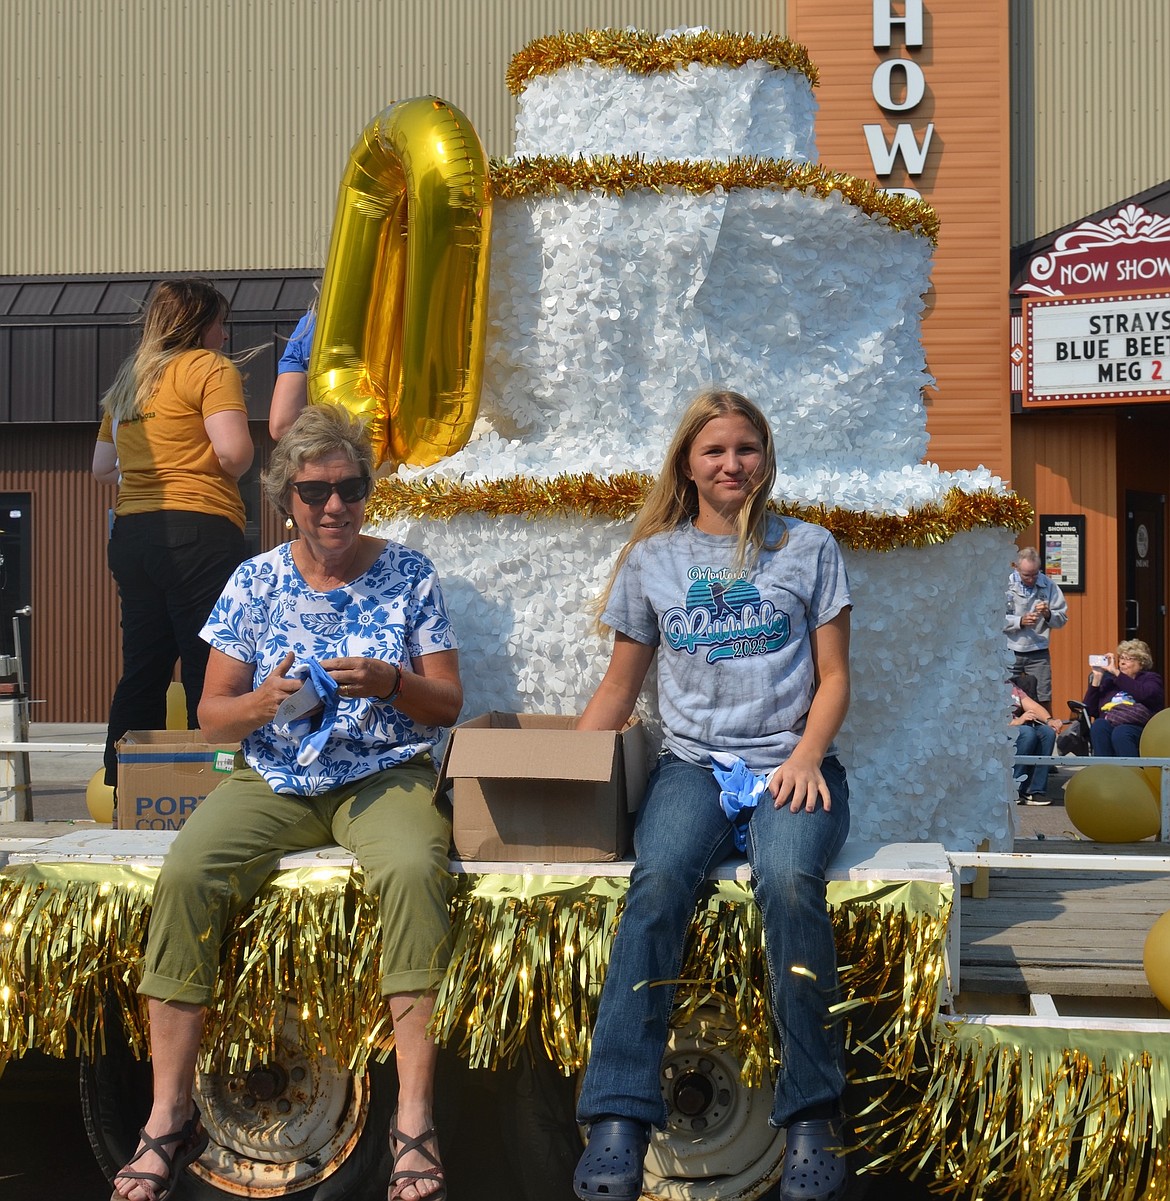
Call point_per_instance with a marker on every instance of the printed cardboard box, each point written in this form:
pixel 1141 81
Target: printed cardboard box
pixel 527 786
pixel 164 774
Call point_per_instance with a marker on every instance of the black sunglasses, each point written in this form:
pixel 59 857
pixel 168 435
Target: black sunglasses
pixel 317 492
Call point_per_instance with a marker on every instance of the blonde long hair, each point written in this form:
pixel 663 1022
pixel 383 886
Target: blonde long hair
pixel 674 499
pixel 178 316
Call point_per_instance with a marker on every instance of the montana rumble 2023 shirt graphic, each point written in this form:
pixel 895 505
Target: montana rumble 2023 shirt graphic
pixel 734 660
pixel 725 614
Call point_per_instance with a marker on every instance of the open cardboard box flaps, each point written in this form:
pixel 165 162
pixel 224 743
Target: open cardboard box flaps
pixel 164 774
pixel 528 786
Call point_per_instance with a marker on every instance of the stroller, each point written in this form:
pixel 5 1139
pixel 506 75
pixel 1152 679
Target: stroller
pixel 1074 737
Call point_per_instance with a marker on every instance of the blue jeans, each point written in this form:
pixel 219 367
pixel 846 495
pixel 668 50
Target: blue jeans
pixel 681 833
pixel 1109 740
pixel 1033 740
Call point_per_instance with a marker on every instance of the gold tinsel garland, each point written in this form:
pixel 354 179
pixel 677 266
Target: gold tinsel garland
pixel 1011 1112
pixel 534 950
pixel 978 1111
pixel 643 53
pixel 527 950
pixel 546 175
pixel 619 496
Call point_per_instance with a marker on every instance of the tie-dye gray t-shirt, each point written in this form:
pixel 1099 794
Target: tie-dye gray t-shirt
pixel 735 669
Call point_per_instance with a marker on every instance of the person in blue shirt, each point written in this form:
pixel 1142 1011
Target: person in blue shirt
pixel 291 393
pixel 1035 607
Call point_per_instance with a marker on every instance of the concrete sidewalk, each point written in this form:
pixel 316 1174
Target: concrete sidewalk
pixel 1050 821
pixel 58 779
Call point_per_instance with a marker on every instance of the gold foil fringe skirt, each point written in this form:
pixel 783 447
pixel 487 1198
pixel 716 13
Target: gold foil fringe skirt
pixel 978 1111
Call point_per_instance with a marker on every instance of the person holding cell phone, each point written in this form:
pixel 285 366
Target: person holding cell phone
pixel 1035 607
pixel 1124 693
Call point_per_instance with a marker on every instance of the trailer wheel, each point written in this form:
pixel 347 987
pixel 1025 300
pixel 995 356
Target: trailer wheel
pixel 299 1126
pixel 716 1145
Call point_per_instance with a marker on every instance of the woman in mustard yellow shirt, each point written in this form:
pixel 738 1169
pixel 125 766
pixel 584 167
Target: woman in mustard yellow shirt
pixel 174 438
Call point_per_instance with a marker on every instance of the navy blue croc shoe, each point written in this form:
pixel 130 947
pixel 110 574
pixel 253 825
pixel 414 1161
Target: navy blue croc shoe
pixel 816 1163
pixel 610 1168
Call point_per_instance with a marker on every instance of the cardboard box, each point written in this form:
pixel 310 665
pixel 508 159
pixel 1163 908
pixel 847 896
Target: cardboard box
pixel 527 786
pixel 164 774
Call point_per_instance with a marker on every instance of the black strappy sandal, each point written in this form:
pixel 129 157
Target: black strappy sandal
pixel 189 1143
pixel 402 1145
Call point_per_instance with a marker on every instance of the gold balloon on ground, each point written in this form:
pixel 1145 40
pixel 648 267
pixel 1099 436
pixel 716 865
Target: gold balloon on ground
pixel 176 706
pixel 1110 803
pixel 1156 959
pixel 1155 744
pixel 99 798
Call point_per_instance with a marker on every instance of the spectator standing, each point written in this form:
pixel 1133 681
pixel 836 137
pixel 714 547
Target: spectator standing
pixel 1035 607
pixel 174 439
pixel 291 392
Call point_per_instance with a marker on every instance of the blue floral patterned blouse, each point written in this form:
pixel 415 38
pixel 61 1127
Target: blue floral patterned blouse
pixel 394 611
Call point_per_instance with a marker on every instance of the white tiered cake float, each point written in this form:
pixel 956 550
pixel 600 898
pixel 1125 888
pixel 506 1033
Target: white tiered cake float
pixel 662 229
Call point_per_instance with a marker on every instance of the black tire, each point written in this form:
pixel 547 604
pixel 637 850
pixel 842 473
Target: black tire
pixel 115 1100
pixel 545 1141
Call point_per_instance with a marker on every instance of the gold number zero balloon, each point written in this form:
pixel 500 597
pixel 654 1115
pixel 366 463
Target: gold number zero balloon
pixel 403 309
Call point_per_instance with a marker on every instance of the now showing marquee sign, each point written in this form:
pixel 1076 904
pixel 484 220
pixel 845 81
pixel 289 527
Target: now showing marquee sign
pixel 1130 249
pixel 1091 350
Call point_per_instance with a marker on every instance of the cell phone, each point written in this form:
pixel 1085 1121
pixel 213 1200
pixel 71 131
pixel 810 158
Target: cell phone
pixel 1098 661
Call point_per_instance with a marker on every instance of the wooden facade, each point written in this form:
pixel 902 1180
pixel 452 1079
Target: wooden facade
pixel 965 177
pixel 1069 466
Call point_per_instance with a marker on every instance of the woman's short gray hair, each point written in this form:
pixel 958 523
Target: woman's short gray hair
pixel 320 431
pixel 1135 648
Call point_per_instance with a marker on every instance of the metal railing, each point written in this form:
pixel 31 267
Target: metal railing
pixel 1082 761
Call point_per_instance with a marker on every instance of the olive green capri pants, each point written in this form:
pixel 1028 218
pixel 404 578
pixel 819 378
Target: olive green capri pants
pixel 233 841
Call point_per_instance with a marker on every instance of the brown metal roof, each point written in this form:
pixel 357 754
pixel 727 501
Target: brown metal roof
pixel 62 338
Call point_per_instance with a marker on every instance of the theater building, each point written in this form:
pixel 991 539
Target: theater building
pixel 1038 130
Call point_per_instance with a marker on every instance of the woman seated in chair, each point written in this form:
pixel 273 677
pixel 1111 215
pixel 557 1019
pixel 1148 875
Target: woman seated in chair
pixel 1122 697
pixel 1036 731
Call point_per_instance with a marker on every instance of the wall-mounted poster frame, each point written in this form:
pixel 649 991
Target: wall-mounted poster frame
pixel 1062 549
